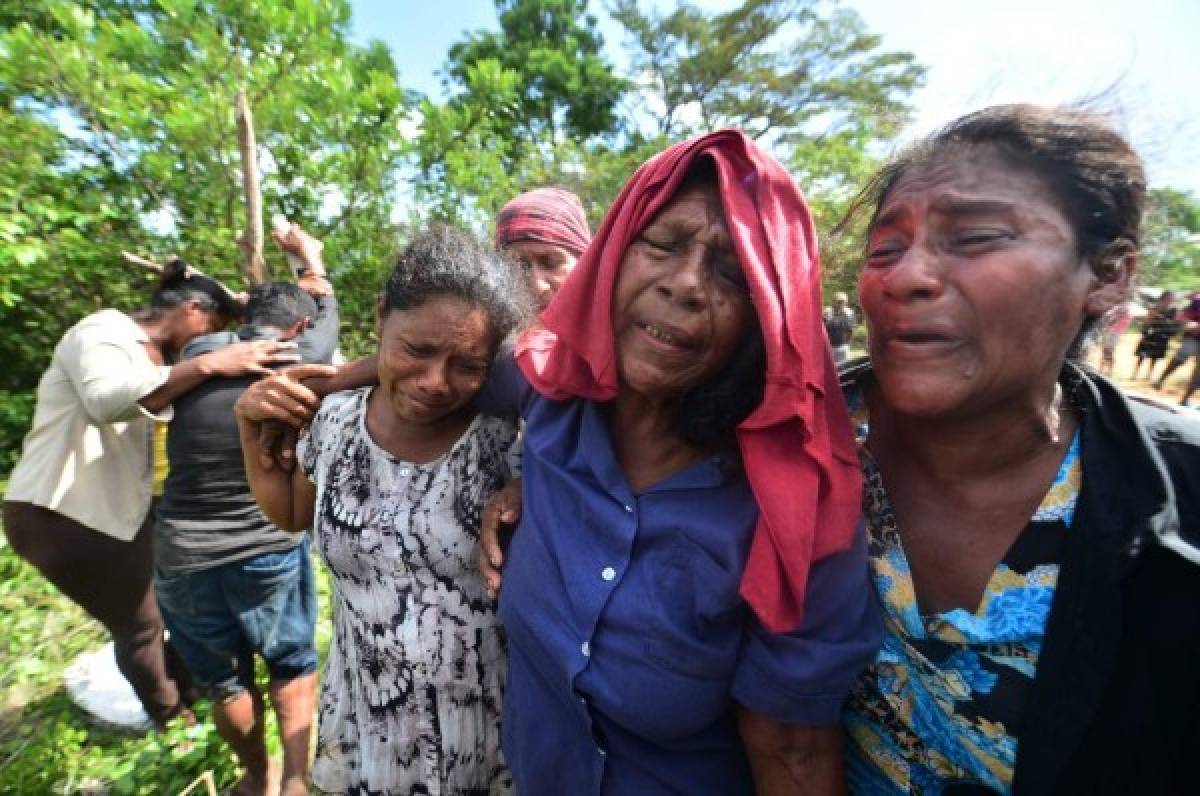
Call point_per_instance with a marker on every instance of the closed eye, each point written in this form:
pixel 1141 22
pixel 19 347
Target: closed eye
pixel 979 237
pixel 473 368
pixel 884 253
pixel 662 245
pixel 420 352
pixel 730 271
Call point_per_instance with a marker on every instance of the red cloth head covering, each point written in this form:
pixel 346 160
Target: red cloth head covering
pixel 797 447
pixel 547 215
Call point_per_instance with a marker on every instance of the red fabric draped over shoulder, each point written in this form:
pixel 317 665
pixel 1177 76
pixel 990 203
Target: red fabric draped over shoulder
pixel 797 447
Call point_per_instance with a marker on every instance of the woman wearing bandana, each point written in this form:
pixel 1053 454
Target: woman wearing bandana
pixel 545 230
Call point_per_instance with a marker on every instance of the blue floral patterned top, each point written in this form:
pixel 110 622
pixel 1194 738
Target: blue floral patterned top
pixel 940 704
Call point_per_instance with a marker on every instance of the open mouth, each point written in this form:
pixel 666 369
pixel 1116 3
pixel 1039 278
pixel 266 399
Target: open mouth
pixel 919 338
pixel 920 343
pixel 667 336
pixel 425 406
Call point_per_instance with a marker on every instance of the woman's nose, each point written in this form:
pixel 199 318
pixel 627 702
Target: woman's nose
pixel 435 379
pixel 916 274
pixel 687 282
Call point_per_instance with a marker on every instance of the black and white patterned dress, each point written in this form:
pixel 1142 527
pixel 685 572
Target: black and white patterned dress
pixel 411 694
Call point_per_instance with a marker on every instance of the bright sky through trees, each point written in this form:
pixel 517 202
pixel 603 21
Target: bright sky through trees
pixel 1141 56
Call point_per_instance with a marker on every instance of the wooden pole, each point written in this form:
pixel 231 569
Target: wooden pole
pixel 251 240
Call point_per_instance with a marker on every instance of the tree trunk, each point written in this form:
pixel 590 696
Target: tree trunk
pixel 251 240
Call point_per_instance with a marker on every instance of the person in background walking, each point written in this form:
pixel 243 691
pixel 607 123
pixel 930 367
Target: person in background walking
pixel 1115 326
pixel 1158 327
pixel 1189 346
pixel 839 326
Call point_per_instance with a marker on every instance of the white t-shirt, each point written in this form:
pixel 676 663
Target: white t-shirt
pixel 88 455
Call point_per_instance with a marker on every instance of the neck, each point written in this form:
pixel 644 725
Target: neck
pixel 949 450
pixel 159 345
pixel 647 447
pixel 414 442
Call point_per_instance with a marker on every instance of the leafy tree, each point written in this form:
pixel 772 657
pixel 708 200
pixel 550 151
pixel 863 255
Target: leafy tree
pixel 553 47
pixel 530 105
pixel 774 68
pixel 126 108
pixel 832 169
pixel 1171 240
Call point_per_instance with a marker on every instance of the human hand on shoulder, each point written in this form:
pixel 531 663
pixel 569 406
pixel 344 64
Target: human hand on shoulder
pixel 240 359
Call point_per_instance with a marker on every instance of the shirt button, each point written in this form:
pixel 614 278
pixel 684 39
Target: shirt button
pixel 405 472
pixel 608 573
pixel 603 752
pixel 629 508
pixel 586 649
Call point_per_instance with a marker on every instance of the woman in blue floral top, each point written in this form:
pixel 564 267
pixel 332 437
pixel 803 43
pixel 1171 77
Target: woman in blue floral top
pixel 1034 621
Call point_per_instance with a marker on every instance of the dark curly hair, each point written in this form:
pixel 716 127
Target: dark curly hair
pixel 444 261
pixel 709 413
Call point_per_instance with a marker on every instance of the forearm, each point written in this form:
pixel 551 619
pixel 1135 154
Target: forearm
pixel 792 760
pixel 359 373
pixel 183 377
pixel 274 489
pixel 318 342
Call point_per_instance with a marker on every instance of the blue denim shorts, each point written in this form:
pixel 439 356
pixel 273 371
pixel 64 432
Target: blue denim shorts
pixel 220 618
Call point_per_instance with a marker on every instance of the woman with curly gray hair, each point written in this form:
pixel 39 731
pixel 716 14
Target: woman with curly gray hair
pixel 392 479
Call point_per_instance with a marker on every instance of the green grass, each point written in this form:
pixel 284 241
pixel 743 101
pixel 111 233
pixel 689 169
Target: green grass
pixel 46 744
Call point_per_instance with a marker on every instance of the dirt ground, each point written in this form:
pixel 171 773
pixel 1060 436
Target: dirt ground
pixel 1123 364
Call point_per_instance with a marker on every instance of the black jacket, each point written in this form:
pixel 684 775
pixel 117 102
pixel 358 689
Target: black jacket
pixel 1115 703
pixel 1114 707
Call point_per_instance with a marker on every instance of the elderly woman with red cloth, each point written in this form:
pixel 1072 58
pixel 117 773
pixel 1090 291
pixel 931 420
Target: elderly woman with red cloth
pixel 686 595
pixel 546 231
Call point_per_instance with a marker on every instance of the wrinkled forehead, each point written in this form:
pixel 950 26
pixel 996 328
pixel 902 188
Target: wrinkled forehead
pixel 976 173
pixel 695 204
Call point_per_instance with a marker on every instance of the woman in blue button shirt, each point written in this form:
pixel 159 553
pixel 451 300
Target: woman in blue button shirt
pixel 685 596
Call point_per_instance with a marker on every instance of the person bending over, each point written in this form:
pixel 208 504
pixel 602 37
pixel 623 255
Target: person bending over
pixel 78 501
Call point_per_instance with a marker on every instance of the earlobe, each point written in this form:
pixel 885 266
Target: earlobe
pixel 380 312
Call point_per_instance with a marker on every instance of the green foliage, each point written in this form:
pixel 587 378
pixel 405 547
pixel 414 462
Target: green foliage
pixel 1171 240
pixel 46 745
pixel 767 67
pixel 547 55
pixel 16 415
pixel 803 76
pixel 113 113
pixel 531 104
pixel 831 169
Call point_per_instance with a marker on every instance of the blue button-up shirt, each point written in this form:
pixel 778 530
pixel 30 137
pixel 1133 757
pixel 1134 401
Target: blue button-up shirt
pixel 628 641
